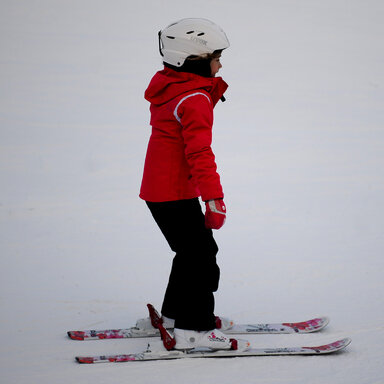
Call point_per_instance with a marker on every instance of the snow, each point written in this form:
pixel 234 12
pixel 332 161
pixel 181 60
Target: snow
pixel 300 148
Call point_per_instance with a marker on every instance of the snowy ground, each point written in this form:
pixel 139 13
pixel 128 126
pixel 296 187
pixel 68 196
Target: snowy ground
pixel 300 147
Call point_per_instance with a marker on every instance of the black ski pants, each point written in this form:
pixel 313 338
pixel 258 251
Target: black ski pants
pixel 195 274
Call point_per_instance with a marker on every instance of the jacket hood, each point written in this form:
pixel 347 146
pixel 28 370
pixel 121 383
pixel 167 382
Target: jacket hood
pixel 168 84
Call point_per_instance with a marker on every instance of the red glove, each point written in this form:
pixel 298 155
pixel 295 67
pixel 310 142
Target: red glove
pixel 215 213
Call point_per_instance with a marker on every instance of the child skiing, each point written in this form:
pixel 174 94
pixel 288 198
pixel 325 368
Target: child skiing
pixel 179 168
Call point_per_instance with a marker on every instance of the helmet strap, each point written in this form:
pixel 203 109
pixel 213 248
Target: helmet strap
pixel 160 45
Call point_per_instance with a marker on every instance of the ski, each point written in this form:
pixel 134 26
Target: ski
pixel 163 354
pixel 308 326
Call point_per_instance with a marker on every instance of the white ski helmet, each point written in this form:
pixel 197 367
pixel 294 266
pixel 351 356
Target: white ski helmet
pixel 188 37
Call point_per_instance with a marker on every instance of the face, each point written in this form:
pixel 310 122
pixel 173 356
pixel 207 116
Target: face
pixel 215 66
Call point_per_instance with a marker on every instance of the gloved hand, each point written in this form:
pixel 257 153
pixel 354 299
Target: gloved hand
pixel 215 213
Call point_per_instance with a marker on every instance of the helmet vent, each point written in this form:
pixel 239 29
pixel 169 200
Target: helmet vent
pixel 199 34
pixel 171 37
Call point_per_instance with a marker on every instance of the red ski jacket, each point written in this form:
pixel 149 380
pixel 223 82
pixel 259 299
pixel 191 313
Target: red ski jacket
pixel 180 163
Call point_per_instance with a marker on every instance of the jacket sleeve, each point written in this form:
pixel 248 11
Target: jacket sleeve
pixel 195 114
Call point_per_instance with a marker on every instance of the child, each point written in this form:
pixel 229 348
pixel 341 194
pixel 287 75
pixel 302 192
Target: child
pixel 179 167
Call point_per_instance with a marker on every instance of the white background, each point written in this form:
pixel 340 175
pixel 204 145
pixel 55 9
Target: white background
pixel 300 149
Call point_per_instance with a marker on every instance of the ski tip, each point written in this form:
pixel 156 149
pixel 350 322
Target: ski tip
pixel 313 325
pixel 341 344
pixel 317 324
pixel 331 347
pixel 323 321
pixel 347 341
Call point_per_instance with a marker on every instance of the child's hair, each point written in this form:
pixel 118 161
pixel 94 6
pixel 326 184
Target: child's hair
pixel 209 56
pixel 199 65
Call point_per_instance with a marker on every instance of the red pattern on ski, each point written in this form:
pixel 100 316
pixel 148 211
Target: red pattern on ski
pixel 305 325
